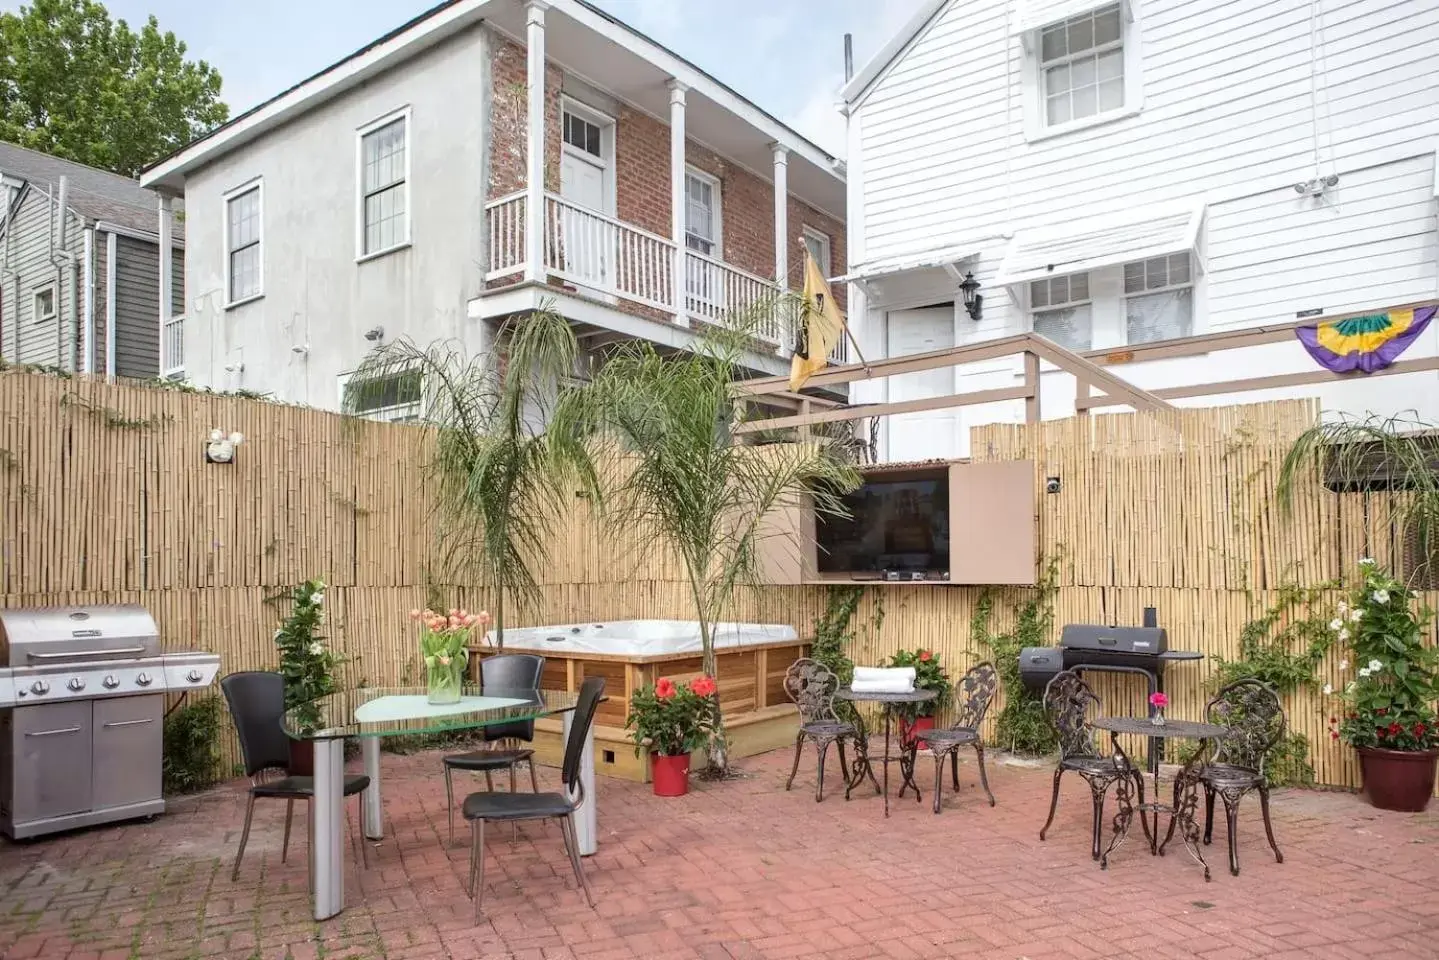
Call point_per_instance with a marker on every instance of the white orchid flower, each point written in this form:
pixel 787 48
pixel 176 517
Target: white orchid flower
pixel 1328 689
pixel 1336 624
pixel 1366 562
pixel 316 648
pixel 1344 664
pixel 1343 608
pixel 1363 672
pixel 1376 665
pixel 1356 615
pixel 1343 635
pixel 317 598
pixel 1380 597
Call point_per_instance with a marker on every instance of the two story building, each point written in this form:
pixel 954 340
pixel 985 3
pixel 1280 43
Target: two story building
pixel 484 160
pixel 1117 174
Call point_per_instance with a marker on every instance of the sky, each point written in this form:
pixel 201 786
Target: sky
pixel 785 55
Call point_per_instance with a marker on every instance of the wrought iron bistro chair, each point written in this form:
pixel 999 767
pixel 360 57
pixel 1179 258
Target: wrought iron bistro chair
pixel 505 671
pixel 1251 710
pixel 974 692
pixel 811 685
pixel 1067 701
pixel 257 705
pixel 489 805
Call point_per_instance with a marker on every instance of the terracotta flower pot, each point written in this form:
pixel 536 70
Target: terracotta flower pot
pixel 910 729
pixel 1398 779
pixel 671 774
pixel 302 758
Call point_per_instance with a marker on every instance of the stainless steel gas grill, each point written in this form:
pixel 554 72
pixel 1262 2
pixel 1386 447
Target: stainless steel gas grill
pixel 82 704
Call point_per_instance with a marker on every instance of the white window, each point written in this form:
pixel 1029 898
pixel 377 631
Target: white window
pixel 1159 298
pixel 44 305
pixel 818 246
pixel 702 213
pixel 384 161
pixel 244 253
pixel 1081 62
pixel 394 399
pixel 1062 310
pixel 583 135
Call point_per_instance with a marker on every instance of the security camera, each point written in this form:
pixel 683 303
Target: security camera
pixel 375 333
pixel 300 348
pixel 1052 485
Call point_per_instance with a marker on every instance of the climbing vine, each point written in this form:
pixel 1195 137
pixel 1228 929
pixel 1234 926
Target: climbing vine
pixel 1022 725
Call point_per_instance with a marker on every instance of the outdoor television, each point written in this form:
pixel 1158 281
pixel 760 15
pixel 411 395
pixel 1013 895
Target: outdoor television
pixel 897 522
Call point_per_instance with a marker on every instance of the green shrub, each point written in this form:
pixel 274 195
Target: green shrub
pixel 1022 726
pixel 191 759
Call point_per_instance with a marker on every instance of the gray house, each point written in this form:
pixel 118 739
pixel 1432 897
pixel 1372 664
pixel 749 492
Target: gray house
pixel 81 291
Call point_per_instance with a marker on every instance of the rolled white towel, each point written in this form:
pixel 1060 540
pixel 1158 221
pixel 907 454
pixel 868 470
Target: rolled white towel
pixel 898 685
pixel 888 674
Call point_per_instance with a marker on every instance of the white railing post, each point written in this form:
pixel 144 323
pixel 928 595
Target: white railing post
pixel 535 140
pixel 781 231
pixel 677 195
pixel 167 305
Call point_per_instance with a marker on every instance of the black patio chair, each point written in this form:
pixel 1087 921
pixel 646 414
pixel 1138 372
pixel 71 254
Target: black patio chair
pixel 257 705
pixel 1251 710
pixel 1067 701
pixel 974 692
pixel 811 685
pixel 514 807
pixel 505 671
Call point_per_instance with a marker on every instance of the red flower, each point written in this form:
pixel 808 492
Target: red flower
pixel 1334 734
pixel 1419 729
pixel 1394 729
pixel 665 688
pixel 1378 731
pixel 1333 719
pixel 925 656
pixel 703 686
pixel 1382 711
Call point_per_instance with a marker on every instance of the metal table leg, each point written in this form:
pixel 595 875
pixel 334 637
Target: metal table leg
pixel 327 819
pixel 585 820
pixel 374 813
pixel 885 789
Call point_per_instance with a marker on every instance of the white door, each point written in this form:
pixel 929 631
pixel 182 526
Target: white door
pixel 587 242
pixel 931 434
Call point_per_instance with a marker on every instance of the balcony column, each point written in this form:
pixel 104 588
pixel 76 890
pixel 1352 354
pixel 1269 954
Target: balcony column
pixel 677 195
pixel 167 304
pixel 535 140
pixel 781 234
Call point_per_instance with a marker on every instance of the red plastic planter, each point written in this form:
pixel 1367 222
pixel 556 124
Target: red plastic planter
pixel 671 774
pixel 1398 779
pixel 910 729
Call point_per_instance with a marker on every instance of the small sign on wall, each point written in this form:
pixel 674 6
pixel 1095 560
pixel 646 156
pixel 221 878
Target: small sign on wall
pixel 1312 312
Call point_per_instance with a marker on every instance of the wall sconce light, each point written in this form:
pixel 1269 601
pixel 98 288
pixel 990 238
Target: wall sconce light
pixel 973 302
pixel 220 448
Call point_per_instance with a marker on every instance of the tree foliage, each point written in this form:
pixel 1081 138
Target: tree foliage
pixel 76 84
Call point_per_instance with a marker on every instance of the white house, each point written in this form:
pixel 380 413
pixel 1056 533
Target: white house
pixel 479 161
pixel 1120 172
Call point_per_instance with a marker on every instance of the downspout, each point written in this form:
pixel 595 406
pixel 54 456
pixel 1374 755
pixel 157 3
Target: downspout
pixel 6 274
pixel 60 256
pixel 87 268
pixel 110 306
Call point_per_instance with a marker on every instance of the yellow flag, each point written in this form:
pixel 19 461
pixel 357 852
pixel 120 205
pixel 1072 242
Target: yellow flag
pixel 821 328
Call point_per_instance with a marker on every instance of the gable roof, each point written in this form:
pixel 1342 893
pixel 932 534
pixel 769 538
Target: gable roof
pixel 860 83
pixel 96 195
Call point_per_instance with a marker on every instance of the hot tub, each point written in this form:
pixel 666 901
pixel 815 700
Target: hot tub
pixel 642 639
pixel 750 664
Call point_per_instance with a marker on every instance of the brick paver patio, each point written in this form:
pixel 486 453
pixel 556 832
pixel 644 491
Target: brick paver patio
pixel 736 871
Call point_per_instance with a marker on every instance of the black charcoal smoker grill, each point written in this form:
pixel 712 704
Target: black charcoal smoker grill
pixel 1084 647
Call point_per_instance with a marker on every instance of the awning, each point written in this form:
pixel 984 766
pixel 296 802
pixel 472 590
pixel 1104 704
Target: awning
pixel 944 257
pixel 1034 14
pixel 1055 252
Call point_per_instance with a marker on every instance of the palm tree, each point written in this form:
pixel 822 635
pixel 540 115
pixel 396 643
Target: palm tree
pixel 1399 455
pixel 496 480
pixel 682 476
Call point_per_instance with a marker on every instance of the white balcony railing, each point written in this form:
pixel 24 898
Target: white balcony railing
pixel 716 291
pixel 506 218
pixel 172 348
pixel 592 250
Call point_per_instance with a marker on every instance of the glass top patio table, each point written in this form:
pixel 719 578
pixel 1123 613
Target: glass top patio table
pixel 405 711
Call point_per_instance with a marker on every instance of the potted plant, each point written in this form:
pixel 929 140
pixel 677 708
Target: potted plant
pixel 914 718
pixel 308 666
pixel 673 719
pixel 1389 707
pixel 444 638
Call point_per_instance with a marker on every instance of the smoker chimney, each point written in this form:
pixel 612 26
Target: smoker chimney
pixel 848 57
pixel 1151 617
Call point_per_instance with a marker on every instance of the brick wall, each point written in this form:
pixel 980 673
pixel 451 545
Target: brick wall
pixel 642 175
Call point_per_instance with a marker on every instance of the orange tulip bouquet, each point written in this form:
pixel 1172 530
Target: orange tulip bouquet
pixel 444 638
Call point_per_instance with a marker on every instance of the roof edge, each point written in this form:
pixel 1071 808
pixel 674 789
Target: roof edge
pixel 859 85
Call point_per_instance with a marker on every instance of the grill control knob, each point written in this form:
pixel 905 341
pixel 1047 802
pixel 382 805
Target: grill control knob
pixel 194 676
pixel 110 682
pixel 143 679
pixel 40 686
pixel 76 684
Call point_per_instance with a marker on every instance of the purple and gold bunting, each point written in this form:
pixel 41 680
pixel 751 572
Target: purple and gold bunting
pixel 1368 343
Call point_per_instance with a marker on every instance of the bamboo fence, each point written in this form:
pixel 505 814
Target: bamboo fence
pixel 106 497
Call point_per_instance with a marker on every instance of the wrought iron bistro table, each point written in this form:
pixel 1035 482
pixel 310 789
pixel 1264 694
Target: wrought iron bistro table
pixel 862 766
pixel 368 714
pixel 1186 784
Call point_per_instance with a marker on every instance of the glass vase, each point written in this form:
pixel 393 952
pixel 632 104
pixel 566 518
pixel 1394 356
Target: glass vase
pixel 446 679
pixel 1158 718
